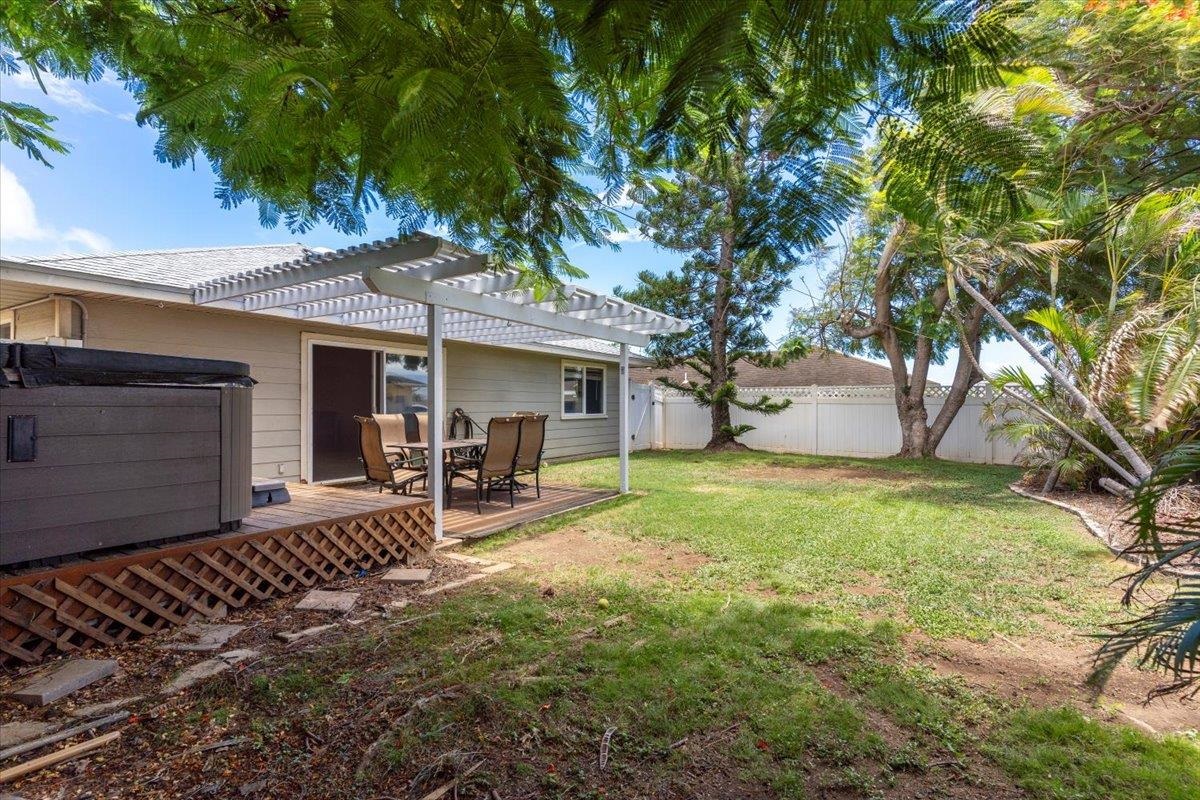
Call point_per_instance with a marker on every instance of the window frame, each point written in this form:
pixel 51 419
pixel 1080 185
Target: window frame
pixel 562 400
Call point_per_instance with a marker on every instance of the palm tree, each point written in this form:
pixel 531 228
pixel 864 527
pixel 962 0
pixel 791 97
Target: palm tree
pixel 1151 355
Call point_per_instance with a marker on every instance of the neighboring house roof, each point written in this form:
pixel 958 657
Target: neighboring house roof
pixel 183 268
pixel 819 368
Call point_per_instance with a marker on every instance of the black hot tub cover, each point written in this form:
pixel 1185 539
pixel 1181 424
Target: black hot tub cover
pixel 51 365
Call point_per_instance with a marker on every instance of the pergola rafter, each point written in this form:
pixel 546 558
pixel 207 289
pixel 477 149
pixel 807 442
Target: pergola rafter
pixel 425 286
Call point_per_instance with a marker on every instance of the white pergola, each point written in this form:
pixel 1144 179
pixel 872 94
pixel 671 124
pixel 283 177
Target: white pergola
pixel 426 286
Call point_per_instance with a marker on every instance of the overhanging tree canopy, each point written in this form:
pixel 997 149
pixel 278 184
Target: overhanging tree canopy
pixel 485 116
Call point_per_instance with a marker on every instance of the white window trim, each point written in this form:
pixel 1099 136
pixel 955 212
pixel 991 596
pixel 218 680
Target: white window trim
pixel 562 400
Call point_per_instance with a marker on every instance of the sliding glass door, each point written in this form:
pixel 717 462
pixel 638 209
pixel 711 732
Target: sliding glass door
pixel 348 380
pixel 343 386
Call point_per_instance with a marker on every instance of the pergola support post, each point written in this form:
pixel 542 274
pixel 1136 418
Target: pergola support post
pixel 623 422
pixel 436 391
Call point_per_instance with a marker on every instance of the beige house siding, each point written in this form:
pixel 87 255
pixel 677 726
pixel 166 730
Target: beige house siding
pixel 490 381
pixel 484 381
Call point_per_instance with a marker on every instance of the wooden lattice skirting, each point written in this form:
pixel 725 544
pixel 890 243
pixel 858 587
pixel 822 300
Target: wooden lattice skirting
pixel 94 603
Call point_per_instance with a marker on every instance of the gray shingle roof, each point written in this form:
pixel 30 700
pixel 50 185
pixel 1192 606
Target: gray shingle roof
pixel 183 268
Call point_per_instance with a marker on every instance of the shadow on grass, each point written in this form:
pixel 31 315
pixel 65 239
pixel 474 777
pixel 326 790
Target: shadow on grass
pixel 690 689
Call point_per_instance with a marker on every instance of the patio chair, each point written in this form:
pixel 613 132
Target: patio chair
pixel 391 427
pixel 416 426
pixel 461 425
pixel 496 465
pixel 396 472
pixel 529 452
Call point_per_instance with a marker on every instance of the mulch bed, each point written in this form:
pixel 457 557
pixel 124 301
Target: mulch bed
pixel 1107 517
pixel 145 669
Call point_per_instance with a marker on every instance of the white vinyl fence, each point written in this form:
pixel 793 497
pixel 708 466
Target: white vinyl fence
pixel 822 420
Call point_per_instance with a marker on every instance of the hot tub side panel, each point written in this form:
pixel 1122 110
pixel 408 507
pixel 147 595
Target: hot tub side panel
pixel 114 465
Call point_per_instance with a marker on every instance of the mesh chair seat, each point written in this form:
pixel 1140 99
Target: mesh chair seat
pixel 497 462
pixel 395 473
pixel 529 454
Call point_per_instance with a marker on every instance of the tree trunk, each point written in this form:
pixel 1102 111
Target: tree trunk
pixel 1135 460
pixel 919 438
pixel 1056 470
pixel 721 437
pixel 965 376
pixel 914 432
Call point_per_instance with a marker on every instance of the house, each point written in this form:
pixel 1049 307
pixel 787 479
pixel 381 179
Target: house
pixel 818 368
pixel 324 342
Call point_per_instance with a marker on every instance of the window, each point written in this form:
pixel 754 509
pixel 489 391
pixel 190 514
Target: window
pixel 583 390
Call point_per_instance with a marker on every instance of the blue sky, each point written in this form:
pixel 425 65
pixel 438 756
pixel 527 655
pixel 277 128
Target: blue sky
pixel 110 193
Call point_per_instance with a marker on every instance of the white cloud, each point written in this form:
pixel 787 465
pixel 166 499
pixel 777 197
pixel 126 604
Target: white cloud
pixel 90 240
pixel 18 218
pixel 631 235
pixel 60 91
pixel 19 222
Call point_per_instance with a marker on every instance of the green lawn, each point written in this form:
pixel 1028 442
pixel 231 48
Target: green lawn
pixel 944 547
pixel 775 667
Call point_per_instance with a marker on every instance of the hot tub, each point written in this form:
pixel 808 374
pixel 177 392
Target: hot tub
pixel 108 449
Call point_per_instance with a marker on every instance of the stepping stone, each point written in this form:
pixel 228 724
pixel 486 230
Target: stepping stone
pixel 208 637
pixel 404 576
pixel 100 709
pixel 465 559
pixel 494 568
pixel 448 543
pixel 60 682
pixel 292 636
pixel 445 587
pixel 321 600
pixel 234 656
pixel 12 733
pixel 207 669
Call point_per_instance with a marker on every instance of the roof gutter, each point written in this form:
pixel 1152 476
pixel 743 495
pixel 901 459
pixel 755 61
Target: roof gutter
pixel 69 280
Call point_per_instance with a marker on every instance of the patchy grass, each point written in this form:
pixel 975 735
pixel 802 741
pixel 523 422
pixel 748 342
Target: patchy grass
pixel 943 546
pixel 750 637
pixel 1056 753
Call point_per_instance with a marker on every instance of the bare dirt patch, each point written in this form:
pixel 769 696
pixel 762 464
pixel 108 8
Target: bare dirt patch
pixel 1047 673
pixel 635 560
pixel 163 743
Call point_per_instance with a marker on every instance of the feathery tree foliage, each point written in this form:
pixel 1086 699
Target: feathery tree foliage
pixel 485 115
pixel 741 220
pixel 1134 68
pixel 448 113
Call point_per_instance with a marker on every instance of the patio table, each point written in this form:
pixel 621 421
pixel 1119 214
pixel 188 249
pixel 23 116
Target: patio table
pixel 448 445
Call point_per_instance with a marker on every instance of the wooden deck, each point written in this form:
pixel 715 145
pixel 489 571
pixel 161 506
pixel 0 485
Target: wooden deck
pixel 461 521
pixel 103 599
pixel 314 503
